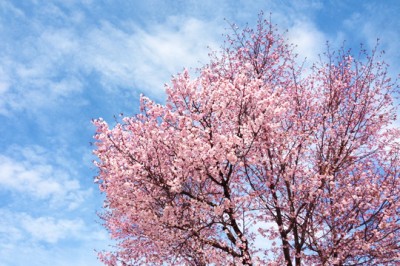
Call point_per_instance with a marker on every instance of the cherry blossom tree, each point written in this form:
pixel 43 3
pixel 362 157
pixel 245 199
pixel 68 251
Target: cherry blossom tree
pixel 256 147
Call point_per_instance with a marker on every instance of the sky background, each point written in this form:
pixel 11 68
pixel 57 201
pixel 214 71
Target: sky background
pixel 65 62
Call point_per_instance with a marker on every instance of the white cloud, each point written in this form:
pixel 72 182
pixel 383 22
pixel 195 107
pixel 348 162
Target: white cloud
pixel 34 85
pixel 28 240
pixel 309 40
pixel 37 67
pixel 45 221
pixel 42 229
pixel 51 64
pixel 147 58
pixel 39 180
pixel 4 81
pixel 50 230
pixel 4 87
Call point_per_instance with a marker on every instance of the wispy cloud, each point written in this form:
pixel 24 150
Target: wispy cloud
pixel 41 181
pixel 46 208
pixel 48 229
pixel 309 41
pixel 28 240
pixel 54 62
pixel 146 59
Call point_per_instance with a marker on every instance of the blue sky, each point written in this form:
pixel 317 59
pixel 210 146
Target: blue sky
pixel 65 62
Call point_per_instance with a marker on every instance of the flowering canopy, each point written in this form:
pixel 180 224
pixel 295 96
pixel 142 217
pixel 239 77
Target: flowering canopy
pixel 256 147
